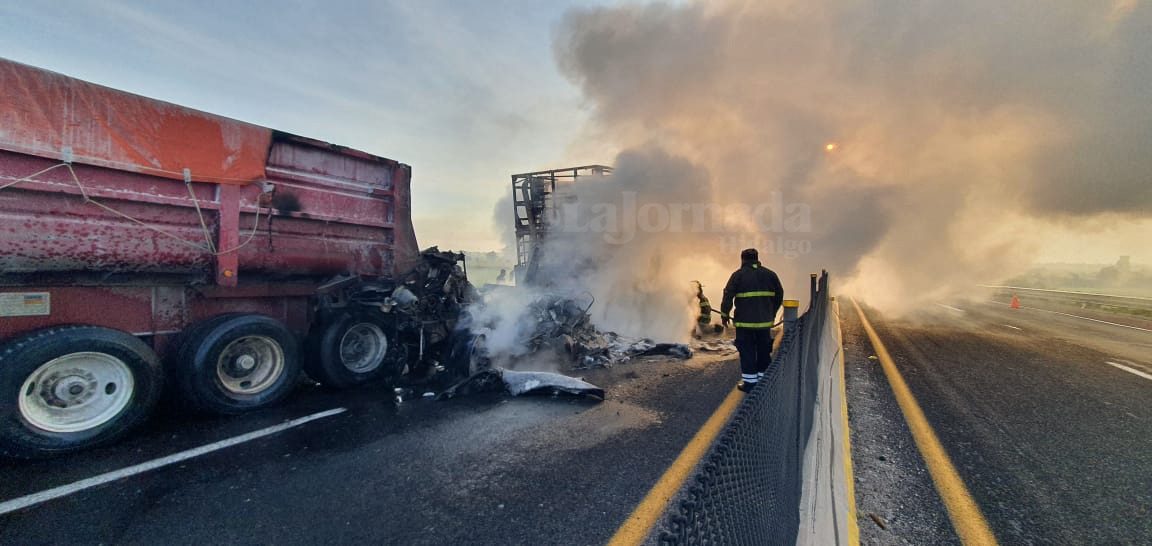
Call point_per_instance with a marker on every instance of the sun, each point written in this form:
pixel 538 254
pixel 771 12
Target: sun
pixel 830 147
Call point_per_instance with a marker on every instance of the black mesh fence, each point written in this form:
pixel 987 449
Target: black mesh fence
pixel 747 489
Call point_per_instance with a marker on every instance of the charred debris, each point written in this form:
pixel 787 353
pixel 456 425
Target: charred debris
pixel 434 334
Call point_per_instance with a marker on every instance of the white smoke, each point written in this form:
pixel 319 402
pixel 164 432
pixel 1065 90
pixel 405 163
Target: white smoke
pixel 935 143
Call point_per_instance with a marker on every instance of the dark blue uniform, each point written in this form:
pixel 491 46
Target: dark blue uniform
pixel 757 294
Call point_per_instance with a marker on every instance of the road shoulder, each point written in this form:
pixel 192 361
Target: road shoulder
pixel 895 500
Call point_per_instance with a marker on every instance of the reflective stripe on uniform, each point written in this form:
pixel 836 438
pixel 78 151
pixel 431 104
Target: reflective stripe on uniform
pixel 724 315
pixel 756 293
pixel 749 377
pixel 754 324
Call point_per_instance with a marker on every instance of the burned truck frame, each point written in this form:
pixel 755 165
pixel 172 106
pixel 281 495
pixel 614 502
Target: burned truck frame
pixel 556 312
pixel 534 209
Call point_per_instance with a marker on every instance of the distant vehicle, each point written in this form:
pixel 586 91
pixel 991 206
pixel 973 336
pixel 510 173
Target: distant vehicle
pixel 145 245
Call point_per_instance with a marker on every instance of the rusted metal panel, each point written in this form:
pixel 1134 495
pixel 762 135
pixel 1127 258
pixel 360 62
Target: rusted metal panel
pixel 51 115
pixel 320 208
pixel 257 290
pixel 290 310
pixel 300 247
pixel 316 210
pixel 323 204
pixel 405 252
pixel 44 230
pixel 169 308
pixel 48 226
pixel 323 164
pixel 228 245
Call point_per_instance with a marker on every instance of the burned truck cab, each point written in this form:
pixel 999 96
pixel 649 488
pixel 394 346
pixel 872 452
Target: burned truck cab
pixel 413 327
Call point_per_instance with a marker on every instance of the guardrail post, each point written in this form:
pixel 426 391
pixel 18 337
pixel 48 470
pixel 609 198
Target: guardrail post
pixel 791 307
pixel 812 291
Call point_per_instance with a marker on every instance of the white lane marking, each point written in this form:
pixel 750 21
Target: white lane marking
pixel 75 487
pixel 957 309
pixel 1012 327
pixel 1079 317
pixel 1141 366
pixel 1130 370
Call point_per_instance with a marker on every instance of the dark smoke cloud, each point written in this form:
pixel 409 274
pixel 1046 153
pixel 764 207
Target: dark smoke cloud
pixel 961 129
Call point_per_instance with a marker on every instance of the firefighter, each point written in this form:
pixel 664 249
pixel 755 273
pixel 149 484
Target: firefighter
pixel 757 294
pixel 704 319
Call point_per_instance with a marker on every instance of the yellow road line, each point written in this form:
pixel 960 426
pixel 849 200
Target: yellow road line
pixel 853 528
pixel 636 528
pixel 966 518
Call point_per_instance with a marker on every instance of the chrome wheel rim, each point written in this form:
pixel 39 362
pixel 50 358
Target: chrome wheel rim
pixel 250 364
pixel 362 347
pixel 76 392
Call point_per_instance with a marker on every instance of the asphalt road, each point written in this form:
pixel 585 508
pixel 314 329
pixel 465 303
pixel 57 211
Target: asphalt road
pixel 1053 442
pixel 485 469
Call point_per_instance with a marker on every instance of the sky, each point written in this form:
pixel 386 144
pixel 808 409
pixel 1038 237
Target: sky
pixel 467 92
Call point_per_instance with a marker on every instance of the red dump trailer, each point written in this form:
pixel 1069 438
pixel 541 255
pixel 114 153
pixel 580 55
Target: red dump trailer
pixel 145 244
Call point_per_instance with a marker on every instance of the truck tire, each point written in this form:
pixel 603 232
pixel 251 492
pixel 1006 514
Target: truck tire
pixel 235 363
pixel 351 350
pixel 68 388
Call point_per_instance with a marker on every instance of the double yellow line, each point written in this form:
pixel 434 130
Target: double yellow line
pixel 846 444
pixel 965 515
pixel 966 518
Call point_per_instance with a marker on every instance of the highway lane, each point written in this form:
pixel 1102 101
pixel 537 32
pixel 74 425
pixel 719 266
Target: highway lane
pixel 1126 305
pixel 1119 335
pixel 1051 440
pixel 484 469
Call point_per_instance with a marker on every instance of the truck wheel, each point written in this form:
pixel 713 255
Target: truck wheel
pixel 68 388
pixel 236 363
pixel 348 351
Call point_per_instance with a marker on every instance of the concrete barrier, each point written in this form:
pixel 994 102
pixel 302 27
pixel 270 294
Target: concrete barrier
pixel 827 502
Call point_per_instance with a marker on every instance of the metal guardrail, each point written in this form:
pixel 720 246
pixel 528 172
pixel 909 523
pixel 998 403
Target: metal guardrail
pixel 748 488
pixel 1110 300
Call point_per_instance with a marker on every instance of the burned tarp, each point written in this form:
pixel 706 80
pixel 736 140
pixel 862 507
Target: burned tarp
pixel 536 382
pixel 678 350
pixel 600 350
pixel 518 383
pixel 718 347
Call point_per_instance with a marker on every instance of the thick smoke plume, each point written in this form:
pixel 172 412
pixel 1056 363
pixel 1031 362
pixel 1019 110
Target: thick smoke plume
pixel 911 148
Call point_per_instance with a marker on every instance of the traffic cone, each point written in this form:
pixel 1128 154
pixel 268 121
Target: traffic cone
pixel 1015 302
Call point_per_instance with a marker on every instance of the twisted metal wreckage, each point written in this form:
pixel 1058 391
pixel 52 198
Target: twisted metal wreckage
pixel 233 255
pixel 431 317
